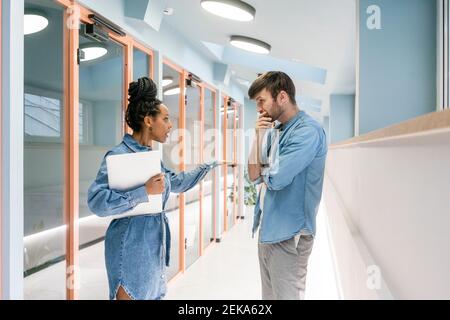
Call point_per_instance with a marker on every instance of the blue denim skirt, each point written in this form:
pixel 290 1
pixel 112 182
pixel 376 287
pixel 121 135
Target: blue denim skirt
pixel 137 251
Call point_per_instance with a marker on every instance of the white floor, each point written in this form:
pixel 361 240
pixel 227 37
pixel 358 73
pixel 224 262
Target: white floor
pixel 228 270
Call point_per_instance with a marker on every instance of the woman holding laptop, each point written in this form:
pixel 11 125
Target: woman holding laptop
pixel 137 248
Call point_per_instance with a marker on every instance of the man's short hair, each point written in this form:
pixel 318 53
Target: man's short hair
pixel 274 82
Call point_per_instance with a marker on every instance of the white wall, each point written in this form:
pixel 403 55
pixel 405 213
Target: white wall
pixel 388 206
pixel 12 149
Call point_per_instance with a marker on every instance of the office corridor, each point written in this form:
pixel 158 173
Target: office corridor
pixel 350 100
pixel 230 270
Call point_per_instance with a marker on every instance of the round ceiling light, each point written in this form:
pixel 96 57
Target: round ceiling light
pixel 172 91
pixel 250 44
pixel 92 51
pixel 34 21
pixel 166 81
pixel 230 9
pixel 244 82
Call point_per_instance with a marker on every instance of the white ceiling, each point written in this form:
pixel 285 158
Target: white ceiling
pixel 320 33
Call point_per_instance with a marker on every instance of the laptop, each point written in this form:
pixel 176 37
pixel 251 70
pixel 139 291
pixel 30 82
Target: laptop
pixel 131 170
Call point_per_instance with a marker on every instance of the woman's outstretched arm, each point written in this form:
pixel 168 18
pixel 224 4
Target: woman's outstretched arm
pixel 186 180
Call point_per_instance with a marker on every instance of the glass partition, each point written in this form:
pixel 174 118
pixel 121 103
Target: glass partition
pixel 230 114
pixel 236 162
pixel 141 64
pixel 44 109
pixel 224 169
pixel 101 101
pixel 192 159
pixel 171 159
pixel 208 213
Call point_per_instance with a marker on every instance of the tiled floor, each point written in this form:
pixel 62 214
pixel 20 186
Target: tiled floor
pixel 228 270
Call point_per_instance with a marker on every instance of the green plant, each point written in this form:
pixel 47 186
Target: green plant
pixel 249 191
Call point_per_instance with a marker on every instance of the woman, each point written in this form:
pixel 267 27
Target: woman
pixel 137 249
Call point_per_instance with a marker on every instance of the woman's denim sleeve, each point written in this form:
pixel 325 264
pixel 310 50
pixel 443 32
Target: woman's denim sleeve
pixel 106 202
pixel 184 181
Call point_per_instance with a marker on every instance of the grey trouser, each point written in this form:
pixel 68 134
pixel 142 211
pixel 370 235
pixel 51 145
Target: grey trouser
pixel 283 268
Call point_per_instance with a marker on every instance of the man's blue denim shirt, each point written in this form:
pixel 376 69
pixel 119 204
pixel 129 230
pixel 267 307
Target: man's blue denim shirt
pixel 294 180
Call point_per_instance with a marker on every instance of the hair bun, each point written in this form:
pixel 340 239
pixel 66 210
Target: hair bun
pixel 142 89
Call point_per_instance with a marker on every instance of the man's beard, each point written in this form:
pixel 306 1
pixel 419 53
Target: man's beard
pixel 277 111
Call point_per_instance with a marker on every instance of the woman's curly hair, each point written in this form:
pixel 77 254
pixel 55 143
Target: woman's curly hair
pixel 142 102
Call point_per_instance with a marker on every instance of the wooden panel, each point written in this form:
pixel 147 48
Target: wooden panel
pixel 225 168
pixel 71 159
pixel 235 172
pixel 202 145
pixel 1 158
pixel 182 127
pixel 173 65
pixel 128 80
pixel 214 173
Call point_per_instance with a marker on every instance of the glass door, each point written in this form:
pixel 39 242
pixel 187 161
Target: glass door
pixel 44 251
pixel 142 64
pixel 193 159
pixel 172 159
pixel 231 160
pixel 236 164
pixel 223 179
pixel 209 154
pixel 101 97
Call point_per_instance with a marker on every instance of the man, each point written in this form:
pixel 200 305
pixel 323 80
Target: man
pixel 288 160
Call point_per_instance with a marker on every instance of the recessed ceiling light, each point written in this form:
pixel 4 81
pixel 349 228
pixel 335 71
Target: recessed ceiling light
pixel 172 91
pixel 92 51
pixel 166 81
pixel 34 21
pixel 244 82
pixel 230 9
pixel 229 109
pixel 250 44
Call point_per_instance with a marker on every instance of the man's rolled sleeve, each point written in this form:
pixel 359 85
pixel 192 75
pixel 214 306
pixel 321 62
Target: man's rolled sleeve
pixel 292 158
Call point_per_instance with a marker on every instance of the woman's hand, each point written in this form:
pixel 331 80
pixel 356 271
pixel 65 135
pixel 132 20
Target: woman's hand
pixel 215 163
pixel 156 184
